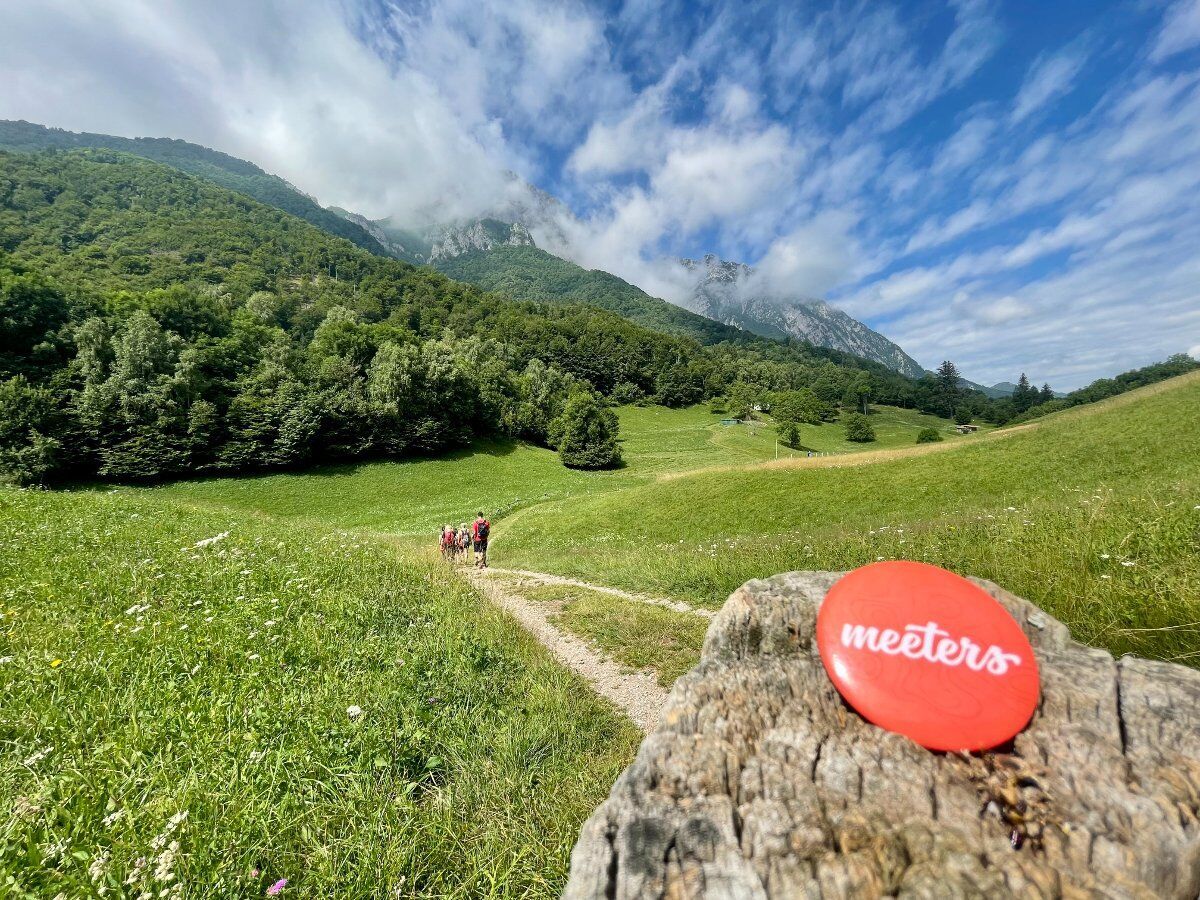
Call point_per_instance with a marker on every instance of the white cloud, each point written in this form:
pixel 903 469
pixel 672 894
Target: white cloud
pixel 1001 311
pixel 287 86
pixel 932 234
pixel 965 146
pixel 808 261
pixel 1049 77
pixel 1180 30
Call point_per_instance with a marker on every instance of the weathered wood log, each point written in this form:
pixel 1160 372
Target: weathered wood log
pixel 760 782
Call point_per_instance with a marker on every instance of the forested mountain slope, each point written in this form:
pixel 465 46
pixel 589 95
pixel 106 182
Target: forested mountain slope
pixel 211 165
pixel 530 273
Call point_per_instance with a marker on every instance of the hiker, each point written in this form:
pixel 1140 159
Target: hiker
pixel 463 538
pixel 447 542
pixel 481 528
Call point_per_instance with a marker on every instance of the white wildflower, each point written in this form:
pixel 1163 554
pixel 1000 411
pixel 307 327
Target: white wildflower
pixel 97 866
pixel 113 817
pixel 164 865
pixel 208 542
pixel 354 711
pixel 38 756
pixel 5 659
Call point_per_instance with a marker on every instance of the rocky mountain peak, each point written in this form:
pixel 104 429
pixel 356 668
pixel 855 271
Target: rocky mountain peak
pixel 728 292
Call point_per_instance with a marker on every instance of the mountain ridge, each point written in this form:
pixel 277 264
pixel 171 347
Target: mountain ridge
pixel 727 292
pixel 212 165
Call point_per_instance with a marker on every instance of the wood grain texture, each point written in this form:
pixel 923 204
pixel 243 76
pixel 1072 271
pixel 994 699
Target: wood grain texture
pixel 760 783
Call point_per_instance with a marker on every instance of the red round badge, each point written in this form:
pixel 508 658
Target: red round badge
pixel 925 653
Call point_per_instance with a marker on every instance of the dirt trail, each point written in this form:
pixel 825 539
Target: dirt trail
pixel 637 694
pixel 546 578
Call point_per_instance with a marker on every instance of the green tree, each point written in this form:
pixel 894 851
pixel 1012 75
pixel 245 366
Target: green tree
pixel 948 390
pixel 789 434
pixel 962 416
pixel 858 428
pixel 928 436
pixel 626 392
pixel 1024 395
pixel 743 397
pixel 32 310
pixel 29 453
pixel 586 434
pixel 857 394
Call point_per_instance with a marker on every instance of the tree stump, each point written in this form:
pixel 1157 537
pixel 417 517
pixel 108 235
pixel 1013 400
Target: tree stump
pixel 760 782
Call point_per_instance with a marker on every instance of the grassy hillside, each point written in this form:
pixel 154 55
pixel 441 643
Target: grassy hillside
pixel 1092 514
pixel 157 690
pixel 211 165
pixel 415 497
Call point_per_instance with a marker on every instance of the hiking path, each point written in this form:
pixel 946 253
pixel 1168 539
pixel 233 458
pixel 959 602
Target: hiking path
pixel 636 693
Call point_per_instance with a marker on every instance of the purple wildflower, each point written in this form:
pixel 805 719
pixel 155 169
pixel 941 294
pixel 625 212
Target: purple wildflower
pixel 277 887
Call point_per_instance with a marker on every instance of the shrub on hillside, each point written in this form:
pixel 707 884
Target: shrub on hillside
pixel 928 436
pixel 627 392
pixel 586 434
pixel 858 428
pixel 962 416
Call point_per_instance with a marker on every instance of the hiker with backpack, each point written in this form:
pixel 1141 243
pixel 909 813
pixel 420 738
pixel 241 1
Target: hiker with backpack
pixel 448 544
pixel 481 529
pixel 463 537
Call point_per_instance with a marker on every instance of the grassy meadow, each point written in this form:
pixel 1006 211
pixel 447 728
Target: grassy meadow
pixel 1092 513
pixel 200 703
pixel 413 498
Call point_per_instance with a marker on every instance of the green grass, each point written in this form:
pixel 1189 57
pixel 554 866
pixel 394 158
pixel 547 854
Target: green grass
pixel 145 678
pixel 411 498
pixel 414 498
pixel 639 635
pixel 658 440
pixel 894 428
pixel 699 536
pixel 1049 512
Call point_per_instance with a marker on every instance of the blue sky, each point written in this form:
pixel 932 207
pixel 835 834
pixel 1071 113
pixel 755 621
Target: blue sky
pixel 1009 185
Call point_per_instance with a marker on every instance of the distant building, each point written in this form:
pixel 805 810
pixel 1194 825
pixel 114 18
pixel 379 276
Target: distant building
pixel 966 429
